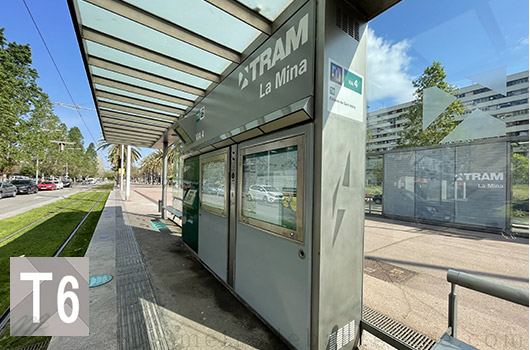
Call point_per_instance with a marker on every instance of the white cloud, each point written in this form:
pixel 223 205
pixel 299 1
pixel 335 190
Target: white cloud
pixel 387 66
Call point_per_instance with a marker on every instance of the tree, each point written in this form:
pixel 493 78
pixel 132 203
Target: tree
pixel 520 169
pixel 91 161
pixel 114 154
pixel 413 135
pixel 20 97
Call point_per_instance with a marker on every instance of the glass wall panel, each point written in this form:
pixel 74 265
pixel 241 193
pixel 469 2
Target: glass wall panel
pixel 213 183
pixel 435 184
pixel 519 181
pixel 481 185
pixel 271 187
pixel 398 190
pixel 177 189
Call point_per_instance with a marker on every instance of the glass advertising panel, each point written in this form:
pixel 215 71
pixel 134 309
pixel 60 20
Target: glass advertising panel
pixel 481 178
pixel 271 187
pixel 434 186
pixel 213 183
pixel 398 190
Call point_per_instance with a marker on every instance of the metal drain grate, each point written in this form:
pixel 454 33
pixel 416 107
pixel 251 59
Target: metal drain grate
pixel 39 346
pixel 394 333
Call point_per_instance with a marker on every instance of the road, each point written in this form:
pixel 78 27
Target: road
pixel 11 206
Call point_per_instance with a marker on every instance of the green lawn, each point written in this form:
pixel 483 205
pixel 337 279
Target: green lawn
pixel 519 192
pixel 43 239
pixel 13 224
pixel 105 187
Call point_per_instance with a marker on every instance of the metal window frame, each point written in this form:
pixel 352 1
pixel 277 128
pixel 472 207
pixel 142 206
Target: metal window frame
pixel 276 230
pixel 208 158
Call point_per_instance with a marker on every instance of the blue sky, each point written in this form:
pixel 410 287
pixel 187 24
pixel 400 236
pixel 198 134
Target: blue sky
pixel 467 36
pixel 54 22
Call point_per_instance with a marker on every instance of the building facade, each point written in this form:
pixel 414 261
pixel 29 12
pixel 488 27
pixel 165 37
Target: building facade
pixel 385 126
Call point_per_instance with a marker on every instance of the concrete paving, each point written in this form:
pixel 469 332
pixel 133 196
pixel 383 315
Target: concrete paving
pixel 410 285
pixel 198 312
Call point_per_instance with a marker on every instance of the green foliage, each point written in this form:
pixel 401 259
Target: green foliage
pixel 20 97
pixel 413 135
pixel 114 153
pixel 519 169
pixel 372 190
pixel 27 122
pixel 151 165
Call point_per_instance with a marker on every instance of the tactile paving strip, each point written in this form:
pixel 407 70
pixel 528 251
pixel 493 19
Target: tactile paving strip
pixel 139 325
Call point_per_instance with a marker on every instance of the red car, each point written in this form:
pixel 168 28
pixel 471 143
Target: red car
pixel 47 185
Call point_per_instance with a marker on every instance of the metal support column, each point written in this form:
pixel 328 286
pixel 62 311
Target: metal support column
pixel 164 181
pixel 128 189
pixel 453 311
pixel 121 169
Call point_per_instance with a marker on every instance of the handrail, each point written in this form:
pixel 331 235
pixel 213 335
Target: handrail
pixel 489 287
pixel 482 285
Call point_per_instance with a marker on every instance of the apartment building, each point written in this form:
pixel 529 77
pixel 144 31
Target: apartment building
pixel 385 126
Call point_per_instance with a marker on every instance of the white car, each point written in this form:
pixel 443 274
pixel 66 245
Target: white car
pixel 265 193
pixel 59 184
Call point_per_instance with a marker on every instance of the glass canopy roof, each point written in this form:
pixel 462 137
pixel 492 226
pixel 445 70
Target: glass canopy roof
pixel 150 62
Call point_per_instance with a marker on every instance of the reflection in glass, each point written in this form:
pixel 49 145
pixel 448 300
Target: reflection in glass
pixel 270 186
pixel 213 183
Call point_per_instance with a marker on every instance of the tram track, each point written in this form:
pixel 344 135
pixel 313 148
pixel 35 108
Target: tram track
pixel 4 317
pixel 41 219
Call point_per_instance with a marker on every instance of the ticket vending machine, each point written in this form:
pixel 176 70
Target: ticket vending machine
pixel 190 203
pixel 279 147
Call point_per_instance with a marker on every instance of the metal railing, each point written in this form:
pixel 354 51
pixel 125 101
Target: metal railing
pixel 482 285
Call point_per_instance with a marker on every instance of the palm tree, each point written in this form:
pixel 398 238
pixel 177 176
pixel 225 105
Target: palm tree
pixel 114 153
pixel 151 166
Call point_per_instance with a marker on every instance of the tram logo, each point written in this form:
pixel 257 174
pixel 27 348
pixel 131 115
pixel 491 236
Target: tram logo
pixel 479 177
pixel 277 51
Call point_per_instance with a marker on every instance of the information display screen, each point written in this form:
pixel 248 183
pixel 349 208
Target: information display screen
pixel 271 187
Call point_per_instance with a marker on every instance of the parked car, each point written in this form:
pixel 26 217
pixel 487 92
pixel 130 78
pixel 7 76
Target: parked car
pixel 91 181
pixel 25 186
pixel 58 183
pixel 67 182
pixel 18 177
pixel 377 199
pixel 47 185
pixel 7 189
pixel 220 190
pixel 264 192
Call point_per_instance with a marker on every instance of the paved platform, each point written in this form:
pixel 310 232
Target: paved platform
pixel 161 297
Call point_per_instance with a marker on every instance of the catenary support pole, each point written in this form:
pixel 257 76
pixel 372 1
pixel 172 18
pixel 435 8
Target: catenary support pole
pixel 128 190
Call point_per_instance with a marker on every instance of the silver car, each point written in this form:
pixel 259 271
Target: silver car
pixel 7 189
pixel 265 193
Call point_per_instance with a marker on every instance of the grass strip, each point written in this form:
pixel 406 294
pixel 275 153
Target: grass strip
pixel 76 248
pixel 105 187
pixel 15 223
pixel 42 239
pixel 78 245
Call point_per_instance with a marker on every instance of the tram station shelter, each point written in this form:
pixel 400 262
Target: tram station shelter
pixel 266 103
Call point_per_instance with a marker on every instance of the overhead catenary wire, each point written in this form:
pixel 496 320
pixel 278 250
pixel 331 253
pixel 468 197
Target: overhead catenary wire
pixel 59 72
